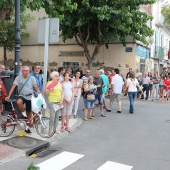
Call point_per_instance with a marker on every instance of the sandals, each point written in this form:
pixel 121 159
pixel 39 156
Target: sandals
pixel 68 129
pixel 91 118
pixel 85 119
pixel 62 129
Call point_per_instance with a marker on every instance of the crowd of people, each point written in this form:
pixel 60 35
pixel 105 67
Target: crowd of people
pixel 65 87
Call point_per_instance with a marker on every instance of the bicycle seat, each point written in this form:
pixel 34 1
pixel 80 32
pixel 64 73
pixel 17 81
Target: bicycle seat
pixel 11 100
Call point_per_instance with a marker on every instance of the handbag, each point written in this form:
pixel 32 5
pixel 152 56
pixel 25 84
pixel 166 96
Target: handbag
pixel 90 97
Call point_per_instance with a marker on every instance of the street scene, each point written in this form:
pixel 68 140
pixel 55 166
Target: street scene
pixel 132 141
pixel 84 85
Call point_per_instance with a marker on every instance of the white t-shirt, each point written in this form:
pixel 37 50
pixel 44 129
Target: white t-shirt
pixel 67 89
pixel 118 84
pixel 131 84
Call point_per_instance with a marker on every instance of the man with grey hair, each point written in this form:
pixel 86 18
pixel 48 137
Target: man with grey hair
pixel 25 84
pixel 99 83
pixel 2 68
pixel 38 77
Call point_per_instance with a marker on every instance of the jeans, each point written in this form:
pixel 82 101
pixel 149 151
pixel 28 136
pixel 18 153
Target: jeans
pixel 155 88
pixel 145 88
pixel 132 96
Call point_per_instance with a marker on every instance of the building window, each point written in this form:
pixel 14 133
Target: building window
pixel 73 65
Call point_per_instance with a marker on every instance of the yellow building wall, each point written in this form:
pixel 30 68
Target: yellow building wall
pixel 114 57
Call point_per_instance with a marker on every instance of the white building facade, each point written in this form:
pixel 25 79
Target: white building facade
pixel 160 42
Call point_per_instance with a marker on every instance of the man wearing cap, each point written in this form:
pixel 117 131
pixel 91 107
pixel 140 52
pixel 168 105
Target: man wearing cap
pixel 116 87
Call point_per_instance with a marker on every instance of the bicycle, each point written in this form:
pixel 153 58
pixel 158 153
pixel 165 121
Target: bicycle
pixel 8 121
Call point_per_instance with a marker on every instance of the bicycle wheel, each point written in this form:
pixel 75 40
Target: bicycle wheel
pixel 7 126
pixel 45 127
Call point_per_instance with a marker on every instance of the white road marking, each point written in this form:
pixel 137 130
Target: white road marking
pixel 60 161
pixel 114 166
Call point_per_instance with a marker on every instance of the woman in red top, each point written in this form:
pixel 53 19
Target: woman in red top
pixel 3 93
pixel 166 90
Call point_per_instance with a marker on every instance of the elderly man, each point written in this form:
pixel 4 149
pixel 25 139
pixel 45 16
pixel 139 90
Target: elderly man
pixel 116 87
pixel 26 84
pixel 2 68
pixel 38 77
pixel 98 81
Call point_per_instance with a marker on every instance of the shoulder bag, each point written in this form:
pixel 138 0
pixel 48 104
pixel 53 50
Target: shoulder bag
pixel 24 85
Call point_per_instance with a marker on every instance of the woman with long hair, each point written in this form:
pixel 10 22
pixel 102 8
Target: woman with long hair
pixel 131 85
pixel 77 92
pixel 68 90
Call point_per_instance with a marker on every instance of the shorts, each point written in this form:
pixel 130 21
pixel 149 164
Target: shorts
pixel 100 99
pixel 164 90
pixel 150 86
pixel 67 109
pixel 89 104
pixel 116 97
pixel 26 102
pixel 161 86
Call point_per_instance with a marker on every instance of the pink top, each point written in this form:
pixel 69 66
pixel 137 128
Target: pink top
pixel 78 90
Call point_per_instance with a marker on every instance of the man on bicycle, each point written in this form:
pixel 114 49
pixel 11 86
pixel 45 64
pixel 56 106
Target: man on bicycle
pixel 26 84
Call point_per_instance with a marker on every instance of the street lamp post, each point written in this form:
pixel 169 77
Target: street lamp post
pixel 17 37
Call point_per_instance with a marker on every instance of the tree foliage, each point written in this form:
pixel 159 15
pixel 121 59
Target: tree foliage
pixel 7 6
pixel 166 13
pixel 7 32
pixel 101 22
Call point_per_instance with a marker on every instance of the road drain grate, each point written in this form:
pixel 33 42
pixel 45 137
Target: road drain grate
pixel 42 152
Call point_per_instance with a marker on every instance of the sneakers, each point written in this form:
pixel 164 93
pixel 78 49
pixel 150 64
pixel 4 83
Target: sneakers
pixel 24 118
pixel 130 111
pixel 28 131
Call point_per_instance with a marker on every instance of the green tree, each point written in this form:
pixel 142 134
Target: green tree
pixel 100 22
pixel 7 6
pixel 7 32
pixel 166 13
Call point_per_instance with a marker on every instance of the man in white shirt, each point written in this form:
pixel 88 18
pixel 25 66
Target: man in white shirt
pixel 116 87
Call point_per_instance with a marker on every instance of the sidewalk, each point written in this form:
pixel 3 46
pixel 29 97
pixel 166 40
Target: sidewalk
pixel 10 150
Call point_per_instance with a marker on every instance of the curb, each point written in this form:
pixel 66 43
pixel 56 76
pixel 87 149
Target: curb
pixel 55 139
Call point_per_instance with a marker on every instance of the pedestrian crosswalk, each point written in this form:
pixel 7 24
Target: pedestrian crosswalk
pixel 114 166
pixel 64 159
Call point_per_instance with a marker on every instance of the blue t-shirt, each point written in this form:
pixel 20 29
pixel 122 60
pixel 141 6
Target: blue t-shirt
pixel 105 82
pixel 38 80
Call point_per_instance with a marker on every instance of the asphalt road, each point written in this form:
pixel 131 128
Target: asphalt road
pixel 140 140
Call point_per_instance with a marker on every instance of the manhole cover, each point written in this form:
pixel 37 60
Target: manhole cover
pixel 168 121
pixel 21 142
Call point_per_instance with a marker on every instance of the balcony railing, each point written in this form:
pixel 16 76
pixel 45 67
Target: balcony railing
pixel 159 20
pixel 159 52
